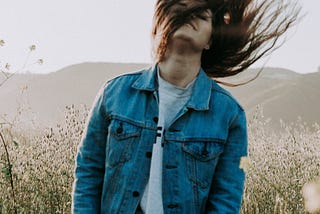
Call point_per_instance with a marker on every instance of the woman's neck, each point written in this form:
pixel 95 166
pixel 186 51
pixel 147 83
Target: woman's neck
pixel 179 70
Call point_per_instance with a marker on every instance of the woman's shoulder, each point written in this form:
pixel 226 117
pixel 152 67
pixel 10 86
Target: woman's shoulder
pixel 218 92
pixel 133 75
pixel 125 80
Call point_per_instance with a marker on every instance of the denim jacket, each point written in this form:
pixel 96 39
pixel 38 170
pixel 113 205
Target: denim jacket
pixel 201 156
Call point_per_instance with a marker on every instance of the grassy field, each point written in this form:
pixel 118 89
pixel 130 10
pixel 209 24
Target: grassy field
pixel 40 174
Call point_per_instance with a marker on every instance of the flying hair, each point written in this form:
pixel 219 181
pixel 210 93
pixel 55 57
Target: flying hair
pixel 243 30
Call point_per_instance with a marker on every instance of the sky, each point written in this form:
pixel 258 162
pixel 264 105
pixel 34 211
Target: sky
pixel 67 32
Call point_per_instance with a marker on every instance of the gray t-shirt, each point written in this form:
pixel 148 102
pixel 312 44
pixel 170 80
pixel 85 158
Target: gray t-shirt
pixel 171 100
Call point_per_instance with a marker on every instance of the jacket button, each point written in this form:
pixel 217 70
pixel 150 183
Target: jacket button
pixel 148 154
pixel 155 119
pixel 135 194
pixel 119 130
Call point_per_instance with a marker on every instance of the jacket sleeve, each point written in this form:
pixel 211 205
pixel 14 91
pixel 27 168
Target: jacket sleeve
pixel 228 182
pixel 90 160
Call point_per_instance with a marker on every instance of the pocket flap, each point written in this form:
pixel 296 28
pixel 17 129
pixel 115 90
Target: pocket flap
pixel 121 130
pixel 203 151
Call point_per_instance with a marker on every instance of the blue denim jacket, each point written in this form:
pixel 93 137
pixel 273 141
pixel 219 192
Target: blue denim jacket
pixel 202 149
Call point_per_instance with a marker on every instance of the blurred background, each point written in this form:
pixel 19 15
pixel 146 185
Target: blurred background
pixel 54 57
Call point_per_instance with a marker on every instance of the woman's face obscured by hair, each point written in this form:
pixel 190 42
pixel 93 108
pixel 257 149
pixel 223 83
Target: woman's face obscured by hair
pixel 181 19
pixel 196 33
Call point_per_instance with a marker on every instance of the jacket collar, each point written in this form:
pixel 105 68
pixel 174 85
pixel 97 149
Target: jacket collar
pixel 200 97
pixel 148 80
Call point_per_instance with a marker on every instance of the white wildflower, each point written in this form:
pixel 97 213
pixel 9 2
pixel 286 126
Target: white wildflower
pixel 40 61
pixel 7 67
pixel 32 47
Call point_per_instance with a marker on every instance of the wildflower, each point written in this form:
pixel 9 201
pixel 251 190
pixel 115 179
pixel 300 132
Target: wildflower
pixel 7 67
pixel 245 163
pixel 24 87
pixel 40 61
pixel 32 47
pixel 311 194
pixel 2 42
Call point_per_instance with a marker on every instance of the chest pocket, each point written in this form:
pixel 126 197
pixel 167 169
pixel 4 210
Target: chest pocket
pixel 200 160
pixel 122 139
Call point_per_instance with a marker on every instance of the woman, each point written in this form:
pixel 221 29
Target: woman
pixel 169 139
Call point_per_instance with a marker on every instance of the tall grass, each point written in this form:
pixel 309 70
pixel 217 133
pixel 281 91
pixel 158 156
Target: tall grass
pixel 282 163
pixel 43 166
pixel 43 163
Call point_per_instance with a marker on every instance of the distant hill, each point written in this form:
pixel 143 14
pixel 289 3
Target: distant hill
pixel 281 93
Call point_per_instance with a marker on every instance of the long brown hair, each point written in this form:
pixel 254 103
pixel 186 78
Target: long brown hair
pixel 252 30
